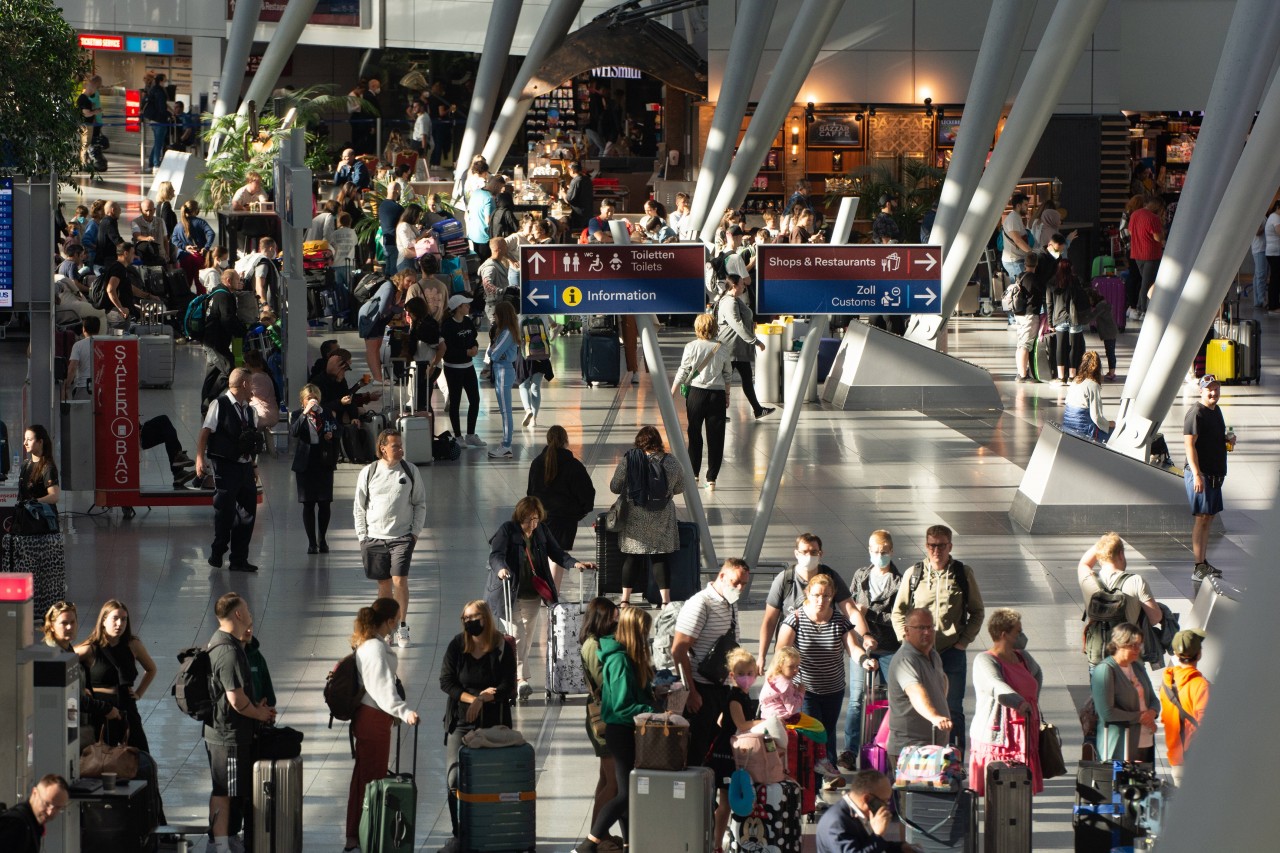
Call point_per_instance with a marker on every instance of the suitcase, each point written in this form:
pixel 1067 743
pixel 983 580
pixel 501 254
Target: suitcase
pixel 939 821
pixel 1247 335
pixel 827 349
pixel 874 752
pixel 417 433
pixel 277 806
pixel 373 424
pixel 684 567
pixel 388 816
pixel 155 281
pixel 1220 359
pixel 774 823
pixel 602 324
pixel 564 650
pixel 801 754
pixel 497 800
pixel 42 555
pixel 1007 813
pixel 609 559
pixel 247 306
pixel 672 810
pixel 118 824
pixel 601 359
pixel 156 360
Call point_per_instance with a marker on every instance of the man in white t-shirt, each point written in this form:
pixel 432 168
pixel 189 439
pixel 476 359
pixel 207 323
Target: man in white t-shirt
pixel 1103 566
pixel 80 362
pixel 1014 227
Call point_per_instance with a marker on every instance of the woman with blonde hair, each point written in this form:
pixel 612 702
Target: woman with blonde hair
pixel 1082 410
pixel 112 655
pixel 706 368
pixel 626 689
pixel 382 704
pixel 1006 683
pixel 478 674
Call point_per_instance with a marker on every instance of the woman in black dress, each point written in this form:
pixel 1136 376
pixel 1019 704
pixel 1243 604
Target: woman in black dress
pixel 561 482
pixel 315 456
pixel 113 655
pixel 38 479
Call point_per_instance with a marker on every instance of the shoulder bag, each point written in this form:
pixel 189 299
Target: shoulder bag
pixel 616 517
pixel 99 757
pixel 685 386
pixel 662 742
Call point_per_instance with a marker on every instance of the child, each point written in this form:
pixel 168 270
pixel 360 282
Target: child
pixel 1104 319
pixel 782 697
pixel 741 717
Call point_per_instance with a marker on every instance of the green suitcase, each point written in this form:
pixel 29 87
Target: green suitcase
pixel 389 815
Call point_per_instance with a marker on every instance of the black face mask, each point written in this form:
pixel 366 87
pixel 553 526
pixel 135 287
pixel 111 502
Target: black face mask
pixel 475 627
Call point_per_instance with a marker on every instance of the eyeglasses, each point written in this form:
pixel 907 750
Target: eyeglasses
pixel 937 546
pixel 51 806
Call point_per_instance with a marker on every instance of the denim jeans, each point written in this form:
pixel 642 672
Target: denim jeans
pixel 531 393
pixel 825 708
pixel 857 686
pixel 504 376
pixel 955 664
pixel 159 136
pixel 1260 276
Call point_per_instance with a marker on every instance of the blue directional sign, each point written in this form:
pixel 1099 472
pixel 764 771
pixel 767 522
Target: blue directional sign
pixel 857 279
pixel 6 242
pixel 603 278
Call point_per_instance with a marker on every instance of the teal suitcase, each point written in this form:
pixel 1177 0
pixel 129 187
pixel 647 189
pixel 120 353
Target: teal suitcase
pixel 497 801
pixel 389 814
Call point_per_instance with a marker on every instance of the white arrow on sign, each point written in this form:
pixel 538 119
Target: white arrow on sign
pixel 536 260
pixel 930 263
pixel 534 295
pixel 929 296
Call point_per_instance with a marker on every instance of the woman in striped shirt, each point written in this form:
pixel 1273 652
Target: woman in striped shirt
pixel 824 636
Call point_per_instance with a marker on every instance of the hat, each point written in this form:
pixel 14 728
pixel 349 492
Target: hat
pixel 458 300
pixel 1186 643
pixel 1207 380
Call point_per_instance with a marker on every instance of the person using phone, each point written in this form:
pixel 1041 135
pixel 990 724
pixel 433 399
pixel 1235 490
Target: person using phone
pixel 859 822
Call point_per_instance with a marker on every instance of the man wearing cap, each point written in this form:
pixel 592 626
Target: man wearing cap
pixel 1014 227
pixel 1184 693
pixel 1207 440
pixel 885 229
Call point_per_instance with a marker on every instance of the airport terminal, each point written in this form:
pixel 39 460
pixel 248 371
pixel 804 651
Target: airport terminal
pixel 966 307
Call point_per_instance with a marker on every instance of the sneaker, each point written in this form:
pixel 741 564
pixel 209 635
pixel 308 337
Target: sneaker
pixel 767 410
pixel 1110 377
pixel 711 485
pixel 474 440
pixel 825 767
pixel 528 419
pixel 182 460
pixel 243 567
pixel 402 636
pixel 181 480
pixel 847 761
pixel 500 452
pixel 524 690
pixel 835 783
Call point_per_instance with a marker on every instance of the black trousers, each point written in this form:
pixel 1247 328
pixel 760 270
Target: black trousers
pixel 748 385
pixel 706 408
pixel 621 741
pixel 1273 283
pixel 235 507
pixel 462 380
pixel 159 430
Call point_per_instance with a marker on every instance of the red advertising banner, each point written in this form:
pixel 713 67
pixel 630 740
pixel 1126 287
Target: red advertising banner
pixel 115 407
pixel 95 41
pixel 133 110
pixel 333 13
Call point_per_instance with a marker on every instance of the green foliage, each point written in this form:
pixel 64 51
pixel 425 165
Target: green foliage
pixel 917 189
pixel 41 68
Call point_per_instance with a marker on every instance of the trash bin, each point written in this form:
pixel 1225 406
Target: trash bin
pixel 790 364
pixel 795 334
pixel 768 373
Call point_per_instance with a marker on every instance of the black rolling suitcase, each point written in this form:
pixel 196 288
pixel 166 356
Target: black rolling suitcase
pixel 1248 337
pixel 609 558
pixel 601 359
pixel 119 824
pixel 684 566
pixel 940 821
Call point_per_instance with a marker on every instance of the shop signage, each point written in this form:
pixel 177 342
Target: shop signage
pixel 115 408
pixel 133 110
pixel 331 13
pixel 836 131
pixel 602 278
pixel 947 129
pixel 146 44
pixel 255 61
pixel 616 72
pixel 862 279
pixel 94 41
pixel 6 242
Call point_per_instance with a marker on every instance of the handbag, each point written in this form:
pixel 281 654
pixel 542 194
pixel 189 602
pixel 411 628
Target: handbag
pixel 930 768
pixel 616 517
pixel 662 742
pixel 36 519
pixel 99 757
pixel 275 743
pixel 594 719
pixel 540 586
pixel 1052 764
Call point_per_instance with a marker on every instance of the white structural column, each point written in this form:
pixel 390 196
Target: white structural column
pixel 293 20
pixel 1237 88
pixel 992 76
pixel 670 417
pixel 812 24
pixel 294 154
pixel 791 407
pixel 243 23
pixel 1212 274
pixel 493 59
pixel 1069 30
pixel 551 32
pixel 749 33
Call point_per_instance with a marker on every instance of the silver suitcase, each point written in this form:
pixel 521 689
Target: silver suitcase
pixel 277 806
pixel 155 361
pixel 672 810
pixel 565 674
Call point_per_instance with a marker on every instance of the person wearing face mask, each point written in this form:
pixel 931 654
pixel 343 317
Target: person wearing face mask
pixel 786 593
pixel 875 588
pixel 741 714
pixel 1006 719
pixel 706 631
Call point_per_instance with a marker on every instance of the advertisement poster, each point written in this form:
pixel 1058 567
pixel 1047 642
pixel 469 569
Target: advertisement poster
pixel 330 13
pixel 115 406
pixel 836 131
pixel 948 127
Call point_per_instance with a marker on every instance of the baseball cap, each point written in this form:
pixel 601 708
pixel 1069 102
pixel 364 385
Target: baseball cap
pixel 1207 380
pixel 1186 643
pixel 457 300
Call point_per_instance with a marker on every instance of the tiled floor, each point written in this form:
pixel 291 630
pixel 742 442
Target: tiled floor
pixel 849 474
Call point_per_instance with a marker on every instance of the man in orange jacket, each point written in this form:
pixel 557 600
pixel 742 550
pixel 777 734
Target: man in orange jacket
pixel 1184 694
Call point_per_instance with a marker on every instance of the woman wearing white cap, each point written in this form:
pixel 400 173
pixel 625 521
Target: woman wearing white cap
pixel 461 346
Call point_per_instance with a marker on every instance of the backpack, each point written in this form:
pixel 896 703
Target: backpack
pixel 534 333
pixel 246 264
pixel 343 690
pixel 98 294
pixel 788 579
pixel 193 688
pixel 411 471
pixel 655 484
pixel 444 448
pixel 193 321
pixel 1104 610
pixel 962 581
pixel 664 634
pixel 367 286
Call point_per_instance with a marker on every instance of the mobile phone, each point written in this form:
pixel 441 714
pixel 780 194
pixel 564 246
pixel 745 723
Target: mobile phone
pixel 874 804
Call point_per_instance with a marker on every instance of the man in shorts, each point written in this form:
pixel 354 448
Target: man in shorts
pixel 1028 302
pixel 1205 434
pixel 390 511
pixel 228 739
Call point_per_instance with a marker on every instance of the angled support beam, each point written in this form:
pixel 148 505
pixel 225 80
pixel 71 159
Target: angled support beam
pixel 493 59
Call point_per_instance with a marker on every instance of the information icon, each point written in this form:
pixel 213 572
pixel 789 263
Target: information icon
pixel 572 296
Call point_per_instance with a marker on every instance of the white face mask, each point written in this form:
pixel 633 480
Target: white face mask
pixel 732 594
pixel 880 561
pixel 805 562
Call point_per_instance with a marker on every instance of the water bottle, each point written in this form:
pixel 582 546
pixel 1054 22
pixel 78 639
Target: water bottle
pixel 17 463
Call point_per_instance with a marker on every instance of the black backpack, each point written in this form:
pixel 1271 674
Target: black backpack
pixel 656 490
pixel 193 688
pixel 1104 610
pixel 98 293
pixel 343 690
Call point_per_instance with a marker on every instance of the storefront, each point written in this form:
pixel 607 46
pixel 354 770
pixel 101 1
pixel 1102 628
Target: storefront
pixel 1163 143
pixel 123 62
